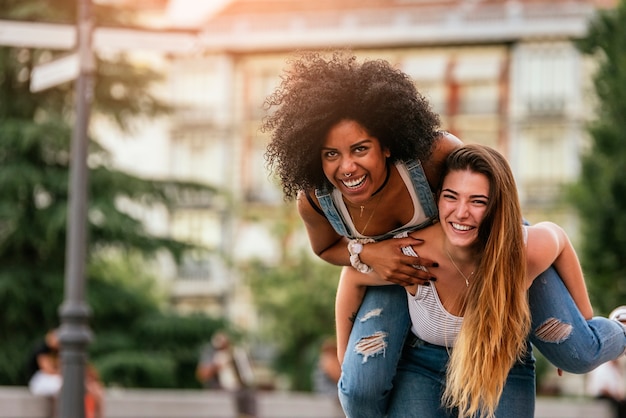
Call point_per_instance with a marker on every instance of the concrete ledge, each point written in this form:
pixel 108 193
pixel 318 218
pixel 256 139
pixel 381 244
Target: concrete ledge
pixel 167 403
pixel 572 408
pixel 148 403
pixel 17 402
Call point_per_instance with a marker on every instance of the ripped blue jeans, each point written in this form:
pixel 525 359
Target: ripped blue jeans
pixel 421 377
pixel 558 331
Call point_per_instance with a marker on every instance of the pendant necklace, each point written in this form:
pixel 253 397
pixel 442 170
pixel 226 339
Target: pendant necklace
pixel 371 215
pixel 458 269
pixel 362 205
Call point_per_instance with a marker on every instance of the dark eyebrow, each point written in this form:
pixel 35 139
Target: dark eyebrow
pixel 358 144
pixel 474 196
pixel 482 196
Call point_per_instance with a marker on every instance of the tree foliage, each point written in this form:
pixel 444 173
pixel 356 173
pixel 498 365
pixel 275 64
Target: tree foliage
pixel 295 301
pixel 35 132
pixel 600 193
pixel 158 350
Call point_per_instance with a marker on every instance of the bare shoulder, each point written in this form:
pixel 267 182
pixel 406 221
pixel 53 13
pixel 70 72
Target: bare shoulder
pixel 542 248
pixel 544 231
pixel 446 143
pixel 304 202
pixel 443 146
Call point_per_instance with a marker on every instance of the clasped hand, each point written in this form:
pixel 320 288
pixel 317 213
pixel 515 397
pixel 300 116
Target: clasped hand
pixel 391 264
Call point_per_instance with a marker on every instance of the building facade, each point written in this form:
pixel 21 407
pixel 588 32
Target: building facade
pixel 500 72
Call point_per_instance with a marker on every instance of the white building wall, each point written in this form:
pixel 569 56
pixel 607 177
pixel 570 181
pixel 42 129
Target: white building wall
pixel 507 76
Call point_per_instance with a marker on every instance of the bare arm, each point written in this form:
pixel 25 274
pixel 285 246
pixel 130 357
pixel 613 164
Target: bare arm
pixel 548 244
pixel 385 257
pixel 445 144
pixel 325 242
pixel 350 294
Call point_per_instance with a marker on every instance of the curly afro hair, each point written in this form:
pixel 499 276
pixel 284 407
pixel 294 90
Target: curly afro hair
pixel 317 92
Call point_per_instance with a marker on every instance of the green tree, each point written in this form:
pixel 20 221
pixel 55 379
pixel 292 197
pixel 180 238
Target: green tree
pixel 296 303
pixel 600 194
pixel 35 132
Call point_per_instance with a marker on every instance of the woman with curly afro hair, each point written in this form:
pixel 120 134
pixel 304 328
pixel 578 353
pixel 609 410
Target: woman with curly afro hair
pixel 316 94
pixel 361 151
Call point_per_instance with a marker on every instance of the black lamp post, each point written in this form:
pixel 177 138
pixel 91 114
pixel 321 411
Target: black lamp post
pixel 74 335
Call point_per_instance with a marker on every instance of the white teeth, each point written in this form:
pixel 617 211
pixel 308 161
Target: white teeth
pixel 354 182
pixel 460 227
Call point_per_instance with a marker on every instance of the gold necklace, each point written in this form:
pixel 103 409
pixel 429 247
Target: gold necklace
pixel 458 269
pixel 362 205
pixel 371 214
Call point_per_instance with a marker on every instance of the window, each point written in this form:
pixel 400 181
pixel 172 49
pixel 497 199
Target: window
pixel 259 185
pixel 429 73
pixel 201 155
pixel 543 163
pixel 201 88
pixel 545 78
pixel 478 77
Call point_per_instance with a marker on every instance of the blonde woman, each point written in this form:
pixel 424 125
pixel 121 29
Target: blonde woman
pixel 362 151
pixel 468 353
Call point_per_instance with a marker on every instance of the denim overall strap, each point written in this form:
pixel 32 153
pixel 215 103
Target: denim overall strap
pixel 422 188
pixel 332 213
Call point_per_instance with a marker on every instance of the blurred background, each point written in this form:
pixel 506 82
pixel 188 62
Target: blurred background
pixel 189 234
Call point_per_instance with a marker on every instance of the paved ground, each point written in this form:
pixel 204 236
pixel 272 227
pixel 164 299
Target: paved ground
pixel 16 402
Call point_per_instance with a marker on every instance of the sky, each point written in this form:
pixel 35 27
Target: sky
pixel 192 12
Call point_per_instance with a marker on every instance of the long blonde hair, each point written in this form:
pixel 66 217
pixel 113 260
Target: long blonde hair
pixel 496 320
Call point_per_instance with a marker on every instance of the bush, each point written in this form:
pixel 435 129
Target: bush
pixel 137 369
pixel 157 351
pixel 176 332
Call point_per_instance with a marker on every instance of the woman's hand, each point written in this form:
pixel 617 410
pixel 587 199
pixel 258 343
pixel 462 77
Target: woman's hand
pixel 391 264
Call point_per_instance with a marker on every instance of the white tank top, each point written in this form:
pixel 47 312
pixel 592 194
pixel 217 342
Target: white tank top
pixel 419 217
pixel 429 319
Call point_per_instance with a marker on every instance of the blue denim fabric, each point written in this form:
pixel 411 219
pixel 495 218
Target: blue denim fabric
pixel 365 387
pixel 421 378
pixel 422 190
pixel 568 340
pixel 366 382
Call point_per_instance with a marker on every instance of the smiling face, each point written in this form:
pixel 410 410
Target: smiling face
pixel 354 161
pixel 463 203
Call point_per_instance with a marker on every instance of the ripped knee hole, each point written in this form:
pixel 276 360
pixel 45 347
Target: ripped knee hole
pixel 371 345
pixel 553 330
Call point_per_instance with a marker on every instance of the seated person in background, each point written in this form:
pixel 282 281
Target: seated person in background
pixel 231 367
pixel 44 371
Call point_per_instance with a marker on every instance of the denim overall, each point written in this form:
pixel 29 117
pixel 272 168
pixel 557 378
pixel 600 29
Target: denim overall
pixel 421 187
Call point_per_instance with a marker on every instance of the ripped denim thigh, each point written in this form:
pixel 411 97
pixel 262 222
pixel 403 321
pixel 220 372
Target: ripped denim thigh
pixel 563 335
pixel 373 351
pixel 381 324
